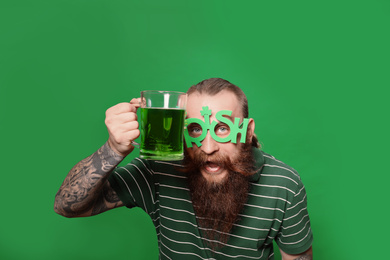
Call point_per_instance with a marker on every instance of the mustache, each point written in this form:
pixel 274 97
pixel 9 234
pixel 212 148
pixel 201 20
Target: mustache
pixel 201 159
pixel 243 164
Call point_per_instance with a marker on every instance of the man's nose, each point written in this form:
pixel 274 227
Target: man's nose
pixel 209 145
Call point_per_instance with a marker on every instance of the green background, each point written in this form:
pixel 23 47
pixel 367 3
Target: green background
pixel 316 74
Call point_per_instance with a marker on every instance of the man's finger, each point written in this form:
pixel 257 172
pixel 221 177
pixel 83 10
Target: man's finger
pixel 121 108
pixel 126 117
pixel 129 126
pixel 136 102
pixel 129 136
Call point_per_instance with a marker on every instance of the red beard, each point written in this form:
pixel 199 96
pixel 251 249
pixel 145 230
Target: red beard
pixel 217 204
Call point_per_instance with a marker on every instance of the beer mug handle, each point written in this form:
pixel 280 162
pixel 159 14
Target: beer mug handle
pixel 137 103
pixel 135 144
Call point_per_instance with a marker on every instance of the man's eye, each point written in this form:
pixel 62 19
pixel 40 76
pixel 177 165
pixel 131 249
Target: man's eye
pixel 194 130
pixel 222 130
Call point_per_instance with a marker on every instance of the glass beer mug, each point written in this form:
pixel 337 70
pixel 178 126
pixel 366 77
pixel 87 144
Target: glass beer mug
pixel 162 124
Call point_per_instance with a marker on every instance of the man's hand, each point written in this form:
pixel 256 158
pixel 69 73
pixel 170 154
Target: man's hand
pixel 122 125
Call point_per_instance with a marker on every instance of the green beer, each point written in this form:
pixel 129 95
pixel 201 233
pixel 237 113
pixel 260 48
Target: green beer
pixel 162 133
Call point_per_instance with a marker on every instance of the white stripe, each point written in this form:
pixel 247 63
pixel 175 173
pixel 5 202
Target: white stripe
pixel 150 190
pixel 156 219
pixel 252 228
pixel 295 214
pixel 273 186
pixel 179 221
pixel 191 213
pixel 296 223
pixel 171 175
pixel 173 198
pixel 280 167
pixel 298 203
pixel 183 253
pixel 174 164
pixel 126 186
pixel 174 187
pixel 154 212
pixel 269 197
pixel 299 191
pixel 273 158
pixel 232 235
pixel 215 241
pixel 266 219
pixel 180 210
pixel 245 256
pixel 296 241
pixel 281 176
pixel 202 248
pixel 190 233
pixel 187 243
pixel 290 235
pixel 163 253
pixel 260 207
pixel 140 191
pixel 149 170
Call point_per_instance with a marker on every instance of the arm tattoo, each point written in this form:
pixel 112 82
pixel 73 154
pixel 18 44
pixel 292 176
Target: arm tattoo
pixel 108 196
pixel 305 257
pixel 86 188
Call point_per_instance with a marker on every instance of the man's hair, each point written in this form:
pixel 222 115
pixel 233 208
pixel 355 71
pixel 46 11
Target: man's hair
pixel 215 85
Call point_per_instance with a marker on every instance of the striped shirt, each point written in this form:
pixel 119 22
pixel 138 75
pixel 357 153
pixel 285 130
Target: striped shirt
pixel 276 210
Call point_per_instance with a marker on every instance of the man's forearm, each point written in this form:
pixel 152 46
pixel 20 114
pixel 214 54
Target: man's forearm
pixel 83 189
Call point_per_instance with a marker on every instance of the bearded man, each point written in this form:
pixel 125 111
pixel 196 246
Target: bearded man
pixel 225 200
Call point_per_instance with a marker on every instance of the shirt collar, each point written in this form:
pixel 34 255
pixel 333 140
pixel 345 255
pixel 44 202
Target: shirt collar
pixel 259 162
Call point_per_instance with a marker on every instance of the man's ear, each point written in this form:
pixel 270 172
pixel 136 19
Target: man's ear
pixel 251 129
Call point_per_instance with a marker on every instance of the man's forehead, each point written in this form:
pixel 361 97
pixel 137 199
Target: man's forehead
pixel 224 100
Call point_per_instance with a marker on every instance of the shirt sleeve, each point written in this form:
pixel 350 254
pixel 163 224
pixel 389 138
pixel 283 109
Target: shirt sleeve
pixel 295 235
pixel 134 184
